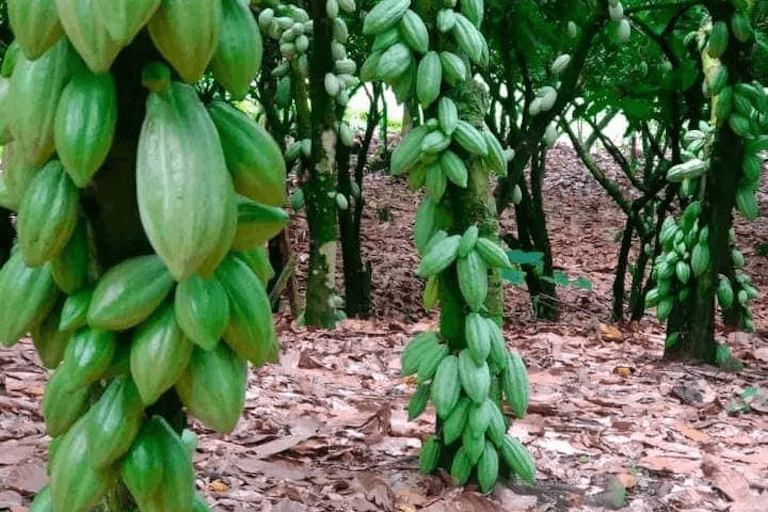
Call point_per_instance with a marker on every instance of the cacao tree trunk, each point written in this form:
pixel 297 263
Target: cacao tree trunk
pixel 543 292
pixel 320 202
pixel 357 274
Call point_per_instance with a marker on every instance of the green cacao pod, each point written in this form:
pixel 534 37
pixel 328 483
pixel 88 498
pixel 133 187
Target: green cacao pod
pixel 454 168
pixel 257 223
pixel 445 386
pixel 700 259
pixel 142 467
pixel 159 354
pixel 70 268
pixel 43 501
pixel 47 215
pixel 88 356
pixel 469 39
pixel 454 69
pixel 478 337
pixel 470 138
pixel 258 261
pixel 76 486
pixel 492 254
pixel 385 39
pixel 447 114
pixel 185 194
pixel 518 459
pixel 394 62
pixel 6 113
pixel 238 53
pixel 725 292
pixel 514 381
pixel 439 257
pixel 74 313
pixel 468 241
pixel 473 11
pixel 652 298
pixel 414 31
pixel 85 123
pixel 498 345
pixel 418 401
pixel 461 467
pixel 457 420
pixel 27 295
pixel 62 404
pixel 88 34
pixel 497 427
pixel 123 19
pixel 114 421
pixel 473 279
pixel 407 153
pixel 9 59
pixel 385 14
pixel 446 19
pixel 479 418
pixel 35 91
pixel 36 25
pixel 252 156
pixel 250 331
pixel 741 27
pixel 128 293
pixel 746 203
pixel 488 468
pixel 664 309
pixel 474 378
pixel 473 444
pixel 177 490
pixel 429 456
pixel 430 361
pixel 212 387
pixel 411 357
pixel 50 343
pixel 202 310
pixel 718 39
pixel 429 78
pixel 434 142
pixel 17 175
pixel 436 181
pixel 683 271
pixel 187 37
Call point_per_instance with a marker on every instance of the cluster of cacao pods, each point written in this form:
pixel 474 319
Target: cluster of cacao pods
pixel 457 381
pixel 210 184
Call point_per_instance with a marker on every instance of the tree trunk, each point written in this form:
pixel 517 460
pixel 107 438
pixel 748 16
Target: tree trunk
pixel 357 274
pixel 533 237
pixel 320 203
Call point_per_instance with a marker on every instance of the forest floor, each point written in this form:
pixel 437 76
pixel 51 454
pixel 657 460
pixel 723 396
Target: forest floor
pixel 610 425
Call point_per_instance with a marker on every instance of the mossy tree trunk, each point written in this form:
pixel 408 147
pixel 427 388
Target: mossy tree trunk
pixel 319 190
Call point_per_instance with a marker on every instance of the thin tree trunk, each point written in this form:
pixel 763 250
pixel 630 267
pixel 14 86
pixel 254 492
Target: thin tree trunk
pixel 357 274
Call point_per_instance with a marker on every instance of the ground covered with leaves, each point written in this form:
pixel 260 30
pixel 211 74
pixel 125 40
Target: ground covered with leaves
pixel 610 425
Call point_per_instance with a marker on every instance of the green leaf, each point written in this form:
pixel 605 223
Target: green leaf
pixel 561 279
pixel 582 283
pixel 515 276
pixel 526 258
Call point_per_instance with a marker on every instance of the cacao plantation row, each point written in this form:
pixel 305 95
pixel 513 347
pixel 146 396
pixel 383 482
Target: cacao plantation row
pixel 144 193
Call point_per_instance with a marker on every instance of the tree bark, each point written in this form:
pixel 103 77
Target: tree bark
pixel 320 204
